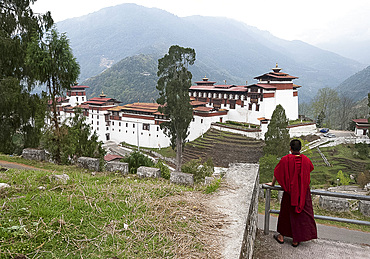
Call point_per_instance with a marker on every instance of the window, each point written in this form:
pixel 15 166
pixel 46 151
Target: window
pixel 157 128
pixel 97 123
pixel 221 119
pixel 250 107
pixel 119 124
pixel 133 125
pixel 193 119
pixel 257 107
pixel 97 128
pixel 201 121
pixel 77 99
pixel 83 99
pixel 97 116
pixel 107 128
pixel 146 126
pixel 92 116
pixel 113 123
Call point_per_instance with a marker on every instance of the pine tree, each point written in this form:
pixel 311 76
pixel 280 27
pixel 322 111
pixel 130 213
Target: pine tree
pixel 277 136
pixel 19 108
pixel 53 64
pixel 173 85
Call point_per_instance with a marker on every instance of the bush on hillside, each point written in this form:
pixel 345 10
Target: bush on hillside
pixel 199 170
pixel 267 166
pixel 165 171
pixel 137 159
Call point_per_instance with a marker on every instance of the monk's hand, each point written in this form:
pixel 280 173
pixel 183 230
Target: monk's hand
pixel 270 183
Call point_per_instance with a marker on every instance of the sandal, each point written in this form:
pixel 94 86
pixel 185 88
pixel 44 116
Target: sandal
pixel 295 245
pixel 277 239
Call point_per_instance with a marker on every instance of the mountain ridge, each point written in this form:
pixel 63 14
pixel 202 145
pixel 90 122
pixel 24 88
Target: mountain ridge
pixel 226 49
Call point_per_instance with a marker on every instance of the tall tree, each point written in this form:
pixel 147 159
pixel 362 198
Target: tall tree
pixel 326 100
pixel 320 119
pixel 17 25
pixel 346 104
pixel 53 64
pixel 173 85
pixel 277 135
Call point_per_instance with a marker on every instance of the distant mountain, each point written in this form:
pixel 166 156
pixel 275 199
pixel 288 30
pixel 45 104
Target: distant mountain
pixel 130 80
pixel 226 49
pixel 357 86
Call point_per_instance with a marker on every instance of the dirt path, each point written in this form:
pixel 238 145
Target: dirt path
pixel 19 166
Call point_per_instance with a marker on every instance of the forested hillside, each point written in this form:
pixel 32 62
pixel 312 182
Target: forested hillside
pixel 226 49
pixel 131 79
pixel 356 86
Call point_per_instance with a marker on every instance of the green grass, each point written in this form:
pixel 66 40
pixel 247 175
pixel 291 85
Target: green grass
pixel 98 216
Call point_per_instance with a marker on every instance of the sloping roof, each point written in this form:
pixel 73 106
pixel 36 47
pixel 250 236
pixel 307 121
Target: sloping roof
pixel 79 87
pixel 275 75
pixel 203 109
pixel 110 157
pixel 361 121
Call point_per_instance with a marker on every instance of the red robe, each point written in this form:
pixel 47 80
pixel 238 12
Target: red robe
pixel 296 218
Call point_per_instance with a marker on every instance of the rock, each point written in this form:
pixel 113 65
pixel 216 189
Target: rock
pixel 4 185
pixel 41 188
pixel 88 163
pixel 63 178
pixel 115 166
pixel 334 204
pixel 33 154
pixel 182 178
pixel 208 180
pixel 364 208
pixel 144 171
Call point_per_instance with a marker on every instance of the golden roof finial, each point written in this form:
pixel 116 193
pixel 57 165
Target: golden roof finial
pixel 102 95
pixel 277 64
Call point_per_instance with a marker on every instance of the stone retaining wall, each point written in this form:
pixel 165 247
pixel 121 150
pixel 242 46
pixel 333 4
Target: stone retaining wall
pixel 251 226
pixel 334 203
pixel 182 178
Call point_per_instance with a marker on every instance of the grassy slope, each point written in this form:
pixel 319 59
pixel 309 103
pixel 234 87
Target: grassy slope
pixel 98 216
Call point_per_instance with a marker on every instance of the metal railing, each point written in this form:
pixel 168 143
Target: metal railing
pixel 268 211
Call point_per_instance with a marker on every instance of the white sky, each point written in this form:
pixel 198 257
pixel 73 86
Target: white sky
pixel 312 21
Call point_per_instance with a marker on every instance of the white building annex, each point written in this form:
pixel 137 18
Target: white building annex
pixel 139 123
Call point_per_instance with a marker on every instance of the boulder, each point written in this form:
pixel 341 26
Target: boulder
pixel 144 171
pixel 182 178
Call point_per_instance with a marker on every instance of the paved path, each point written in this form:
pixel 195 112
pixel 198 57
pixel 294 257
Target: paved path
pixel 333 243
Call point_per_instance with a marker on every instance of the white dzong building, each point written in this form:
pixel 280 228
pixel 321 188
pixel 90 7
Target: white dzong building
pixel 139 123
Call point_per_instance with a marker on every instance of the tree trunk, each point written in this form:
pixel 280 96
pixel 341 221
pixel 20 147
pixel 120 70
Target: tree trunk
pixel 178 154
pixel 56 123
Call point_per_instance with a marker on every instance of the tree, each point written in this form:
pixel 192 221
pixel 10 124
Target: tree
pixel 320 119
pixel 277 135
pixel 19 126
pixel 53 64
pixel 327 101
pixel 173 85
pixel 346 104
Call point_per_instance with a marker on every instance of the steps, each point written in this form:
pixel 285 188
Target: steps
pixel 224 148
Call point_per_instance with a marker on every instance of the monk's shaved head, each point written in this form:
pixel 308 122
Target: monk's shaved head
pixel 295 145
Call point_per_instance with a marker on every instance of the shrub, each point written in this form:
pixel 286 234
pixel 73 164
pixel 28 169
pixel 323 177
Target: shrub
pixel 363 178
pixel 199 170
pixel 362 151
pixel 137 159
pixel 267 166
pixel 165 171
pixel 344 179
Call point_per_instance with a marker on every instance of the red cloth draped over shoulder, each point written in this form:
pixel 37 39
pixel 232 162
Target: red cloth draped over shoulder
pixel 293 174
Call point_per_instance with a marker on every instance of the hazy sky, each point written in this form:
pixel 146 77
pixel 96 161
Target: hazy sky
pixel 313 21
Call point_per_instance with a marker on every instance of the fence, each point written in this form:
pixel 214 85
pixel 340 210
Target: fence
pixel 324 193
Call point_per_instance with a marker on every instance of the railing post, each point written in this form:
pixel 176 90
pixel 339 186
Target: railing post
pixel 267 212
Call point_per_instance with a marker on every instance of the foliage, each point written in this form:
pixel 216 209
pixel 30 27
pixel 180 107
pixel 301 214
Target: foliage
pixel 277 135
pixel 20 110
pixel 211 188
pixel 267 165
pixel 363 178
pixel 343 179
pixel 165 171
pixel 199 170
pixel 131 79
pixel 326 101
pixel 137 159
pixel 320 119
pixel 368 119
pixel 173 86
pixel 362 151
pixel 53 64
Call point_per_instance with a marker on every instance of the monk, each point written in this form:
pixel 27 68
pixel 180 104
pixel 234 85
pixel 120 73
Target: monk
pixel 296 218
